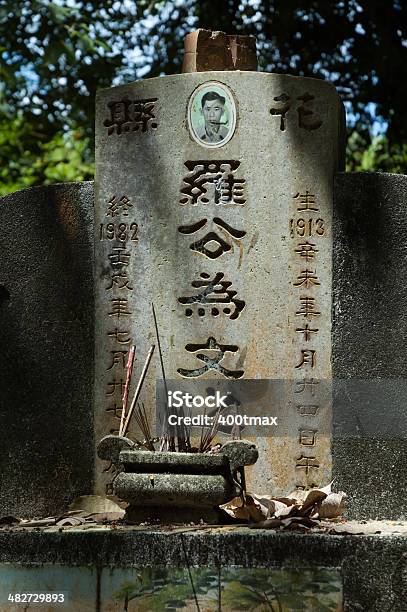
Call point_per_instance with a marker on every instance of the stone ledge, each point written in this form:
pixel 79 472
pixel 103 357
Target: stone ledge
pixel 229 545
pixel 372 567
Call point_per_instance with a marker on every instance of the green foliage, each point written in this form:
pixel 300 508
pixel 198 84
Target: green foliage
pixel 55 55
pixel 65 157
pixel 366 154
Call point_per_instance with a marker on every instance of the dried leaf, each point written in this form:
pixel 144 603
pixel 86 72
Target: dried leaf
pixel 71 521
pixel 104 517
pixel 287 501
pixel 236 502
pixel 265 503
pixel 235 508
pixel 301 520
pixel 327 489
pixel 299 508
pixel 314 497
pixel 94 504
pixel 270 523
pixel 333 506
pixel 254 509
pixel 286 511
pixel 38 522
pixel 250 509
pixel 298 496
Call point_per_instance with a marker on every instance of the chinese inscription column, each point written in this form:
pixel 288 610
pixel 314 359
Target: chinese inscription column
pixel 310 281
pixel 116 253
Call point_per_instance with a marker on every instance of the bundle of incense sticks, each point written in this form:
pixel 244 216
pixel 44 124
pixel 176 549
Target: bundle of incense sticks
pixel 129 372
pixel 137 392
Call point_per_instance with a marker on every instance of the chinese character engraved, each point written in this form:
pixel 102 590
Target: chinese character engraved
pixel 121 337
pixel 307 250
pixel 117 358
pixel 308 358
pixel 306 463
pixel 307 278
pixel 116 386
pixel 212 245
pixel 307 331
pixel 308 227
pixel 307 437
pixel 119 281
pixel 119 206
pixel 306 201
pixel 212 181
pixel 305 385
pixel 214 293
pixel 308 410
pixel 115 410
pixel 281 108
pixel 119 258
pixel 308 119
pixel 307 308
pixel 131 116
pixel 212 361
pixel 119 308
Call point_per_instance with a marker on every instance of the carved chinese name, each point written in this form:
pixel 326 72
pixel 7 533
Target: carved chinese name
pixel 212 357
pixel 212 182
pixel 214 295
pixel 212 245
pixel 131 116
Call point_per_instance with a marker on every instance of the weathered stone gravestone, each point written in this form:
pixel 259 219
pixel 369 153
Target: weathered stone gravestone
pixel 214 199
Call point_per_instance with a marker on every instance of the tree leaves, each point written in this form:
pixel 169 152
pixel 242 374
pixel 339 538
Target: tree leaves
pixel 60 53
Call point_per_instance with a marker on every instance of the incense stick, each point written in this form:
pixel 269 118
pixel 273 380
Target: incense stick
pixel 129 368
pixel 169 440
pixel 138 389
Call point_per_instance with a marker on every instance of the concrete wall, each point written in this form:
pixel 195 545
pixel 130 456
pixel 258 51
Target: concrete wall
pixel 46 319
pixel 369 342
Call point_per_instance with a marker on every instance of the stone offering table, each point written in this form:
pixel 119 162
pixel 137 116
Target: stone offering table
pixel 173 486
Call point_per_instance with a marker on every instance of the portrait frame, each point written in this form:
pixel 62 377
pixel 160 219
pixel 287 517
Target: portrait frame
pixel 196 122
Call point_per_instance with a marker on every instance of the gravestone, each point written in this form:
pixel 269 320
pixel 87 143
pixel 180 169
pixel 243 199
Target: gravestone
pixel 220 183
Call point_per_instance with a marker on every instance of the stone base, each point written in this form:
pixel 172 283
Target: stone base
pixel 173 514
pixel 342 572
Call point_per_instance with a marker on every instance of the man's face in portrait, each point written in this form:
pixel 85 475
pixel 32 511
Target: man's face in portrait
pixel 212 109
pixel 212 112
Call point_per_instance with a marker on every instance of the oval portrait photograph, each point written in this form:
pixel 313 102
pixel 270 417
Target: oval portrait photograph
pixel 212 114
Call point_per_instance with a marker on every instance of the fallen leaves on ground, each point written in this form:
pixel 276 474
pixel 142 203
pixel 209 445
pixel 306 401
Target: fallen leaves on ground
pixel 299 510
pixel 86 509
